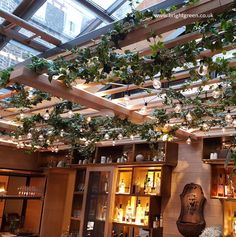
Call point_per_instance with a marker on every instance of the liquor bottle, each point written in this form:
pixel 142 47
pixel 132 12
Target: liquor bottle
pixel 148 186
pixel 104 211
pixel 139 213
pixel 128 212
pixel 161 220
pixel 145 184
pixel 106 184
pixel 229 189
pixel 122 186
pixel 220 188
pixel 234 224
pixel 120 214
pixel 158 184
pixel 146 214
pixel 156 222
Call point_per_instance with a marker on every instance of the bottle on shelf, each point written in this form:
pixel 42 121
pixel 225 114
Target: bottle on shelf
pixel 104 211
pixel 145 184
pixel 156 222
pixel 158 184
pixel 122 186
pixel 229 188
pixel 120 214
pixel 146 214
pixel 234 224
pixel 220 186
pixel 148 186
pixel 139 213
pixel 106 184
pixel 128 212
pixel 161 220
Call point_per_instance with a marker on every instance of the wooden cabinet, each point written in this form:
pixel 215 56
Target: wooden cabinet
pixel 138 200
pixel 22 202
pixel 134 153
pixel 105 187
pixel 98 203
pixel 78 196
pixel 223 180
pixel 58 202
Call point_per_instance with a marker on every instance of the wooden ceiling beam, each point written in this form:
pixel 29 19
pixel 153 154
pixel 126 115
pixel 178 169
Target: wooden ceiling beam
pixel 24 24
pixel 162 25
pixel 12 34
pixel 25 76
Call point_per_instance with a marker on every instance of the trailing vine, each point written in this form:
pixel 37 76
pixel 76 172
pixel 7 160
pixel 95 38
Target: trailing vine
pixel 104 63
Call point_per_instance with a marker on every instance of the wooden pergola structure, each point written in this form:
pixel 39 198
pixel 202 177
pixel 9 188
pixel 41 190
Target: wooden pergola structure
pixel 93 96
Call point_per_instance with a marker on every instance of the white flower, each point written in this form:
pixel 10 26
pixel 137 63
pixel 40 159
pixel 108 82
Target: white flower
pixel 213 231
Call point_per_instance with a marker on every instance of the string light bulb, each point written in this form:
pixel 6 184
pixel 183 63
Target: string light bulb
pixel 216 94
pixel 70 113
pixel 189 141
pixel 178 108
pixel 113 143
pixel 41 137
pixel 19 137
pixel 156 83
pixel 86 143
pixel 46 116
pixel 228 117
pixel 56 149
pixel 29 135
pixel 62 133
pixel 131 137
pixel 18 145
pixel 89 119
pixel 22 145
pixel 22 116
pixel 189 117
pixel 106 136
pixel 143 110
pixel 48 142
pixel 120 136
pixel 205 127
pixel 203 69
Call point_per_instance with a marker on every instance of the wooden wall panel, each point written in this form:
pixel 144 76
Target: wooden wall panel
pixel 190 169
pixel 13 158
pixel 34 208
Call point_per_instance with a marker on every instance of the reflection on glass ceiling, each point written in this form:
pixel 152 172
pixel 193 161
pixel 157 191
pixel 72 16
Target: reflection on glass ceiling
pixel 104 4
pixel 8 6
pixel 63 19
pixel 14 53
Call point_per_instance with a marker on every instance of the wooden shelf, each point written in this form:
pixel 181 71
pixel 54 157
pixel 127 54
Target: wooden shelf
pixel 126 164
pixel 75 218
pixel 136 195
pixel 215 161
pixel 131 224
pixel 21 197
pixel 224 198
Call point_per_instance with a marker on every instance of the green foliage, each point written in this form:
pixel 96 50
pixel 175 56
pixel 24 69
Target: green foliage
pixel 5 76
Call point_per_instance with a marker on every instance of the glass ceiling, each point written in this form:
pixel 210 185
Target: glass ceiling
pixel 63 19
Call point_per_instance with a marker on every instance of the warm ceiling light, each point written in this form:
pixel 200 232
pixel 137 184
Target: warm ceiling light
pixel 156 83
pixel 70 113
pixel 46 116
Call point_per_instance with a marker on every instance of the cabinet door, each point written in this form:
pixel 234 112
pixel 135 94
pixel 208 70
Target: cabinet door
pixel 99 192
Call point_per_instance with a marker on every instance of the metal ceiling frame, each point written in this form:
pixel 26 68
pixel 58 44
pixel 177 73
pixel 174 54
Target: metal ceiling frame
pixel 25 10
pixel 99 11
pixel 110 10
pixel 86 38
